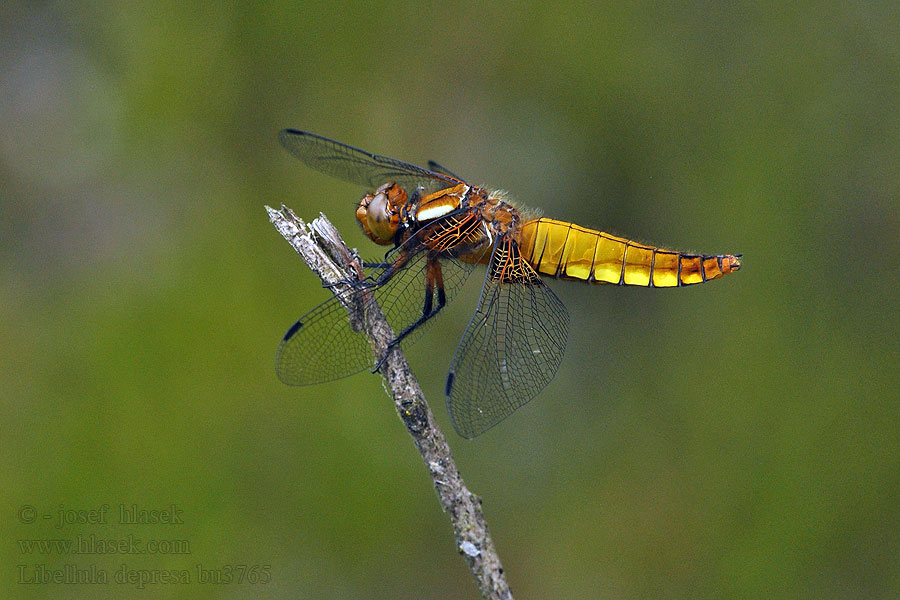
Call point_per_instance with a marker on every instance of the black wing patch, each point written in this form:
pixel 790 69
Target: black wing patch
pixel 438 168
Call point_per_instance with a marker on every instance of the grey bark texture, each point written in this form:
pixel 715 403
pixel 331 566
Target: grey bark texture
pixel 320 246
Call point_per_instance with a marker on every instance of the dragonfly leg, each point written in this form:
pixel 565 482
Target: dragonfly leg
pixel 370 280
pixel 434 282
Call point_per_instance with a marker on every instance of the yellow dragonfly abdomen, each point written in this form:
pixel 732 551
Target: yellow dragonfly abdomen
pixel 568 251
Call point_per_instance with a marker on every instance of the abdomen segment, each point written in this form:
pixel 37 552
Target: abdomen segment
pixel 568 251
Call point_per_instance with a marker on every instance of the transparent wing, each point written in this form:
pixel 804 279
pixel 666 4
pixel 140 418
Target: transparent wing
pixel 323 346
pixel 511 348
pixel 439 168
pixel 358 166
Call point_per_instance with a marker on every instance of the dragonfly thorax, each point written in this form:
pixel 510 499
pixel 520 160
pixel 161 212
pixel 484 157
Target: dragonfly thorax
pixel 389 213
pixel 441 203
pixel 504 217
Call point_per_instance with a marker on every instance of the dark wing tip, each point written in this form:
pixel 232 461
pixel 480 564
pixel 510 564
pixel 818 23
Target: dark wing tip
pixel 290 332
pixel 465 430
pixel 286 135
pixel 448 387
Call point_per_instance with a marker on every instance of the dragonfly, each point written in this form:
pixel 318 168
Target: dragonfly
pixel 440 228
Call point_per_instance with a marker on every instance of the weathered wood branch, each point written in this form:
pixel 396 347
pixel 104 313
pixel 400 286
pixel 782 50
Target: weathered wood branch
pixel 320 246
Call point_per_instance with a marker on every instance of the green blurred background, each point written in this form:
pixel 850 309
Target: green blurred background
pixel 732 440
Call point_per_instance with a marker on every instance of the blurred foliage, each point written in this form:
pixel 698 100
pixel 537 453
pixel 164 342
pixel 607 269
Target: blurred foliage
pixel 737 439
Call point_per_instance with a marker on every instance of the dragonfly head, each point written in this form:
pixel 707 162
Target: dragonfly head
pixel 379 213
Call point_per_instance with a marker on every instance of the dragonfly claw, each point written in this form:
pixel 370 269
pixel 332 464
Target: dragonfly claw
pixel 387 352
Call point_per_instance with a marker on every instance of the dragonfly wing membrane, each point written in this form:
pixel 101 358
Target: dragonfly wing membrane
pixel 511 348
pixel 303 358
pixel 403 301
pixel 358 166
pixel 439 168
pixel 323 346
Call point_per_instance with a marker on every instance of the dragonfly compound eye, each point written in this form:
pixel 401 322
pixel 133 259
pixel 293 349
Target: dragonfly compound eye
pixel 378 216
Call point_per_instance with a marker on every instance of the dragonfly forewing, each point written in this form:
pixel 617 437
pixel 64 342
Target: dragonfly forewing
pixel 358 166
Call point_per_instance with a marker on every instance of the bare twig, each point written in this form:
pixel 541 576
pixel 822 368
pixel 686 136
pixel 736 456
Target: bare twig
pixel 321 247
